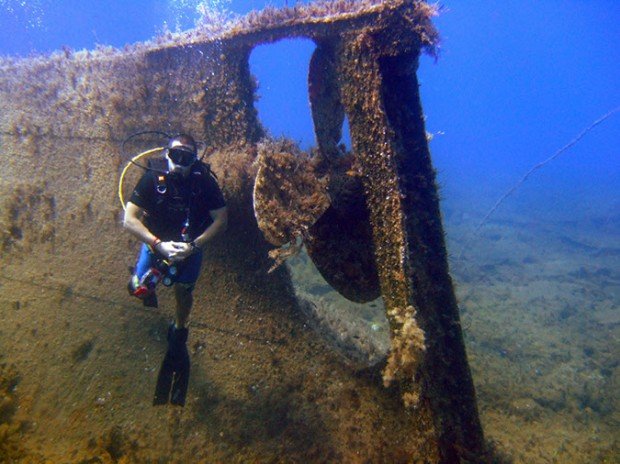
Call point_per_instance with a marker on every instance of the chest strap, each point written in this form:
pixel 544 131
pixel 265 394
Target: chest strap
pixel 161 184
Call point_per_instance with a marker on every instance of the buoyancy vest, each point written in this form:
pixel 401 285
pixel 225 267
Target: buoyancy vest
pixel 182 200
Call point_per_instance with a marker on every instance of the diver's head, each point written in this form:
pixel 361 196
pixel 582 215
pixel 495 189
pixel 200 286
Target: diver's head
pixel 181 154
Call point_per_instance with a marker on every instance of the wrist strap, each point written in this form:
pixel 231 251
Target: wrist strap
pixel 156 241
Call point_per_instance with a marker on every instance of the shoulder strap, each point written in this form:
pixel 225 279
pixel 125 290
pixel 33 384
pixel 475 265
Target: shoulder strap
pixel 159 168
pixel 202 172
pixel 202 168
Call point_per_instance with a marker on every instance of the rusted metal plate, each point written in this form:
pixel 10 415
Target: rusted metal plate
pixel 288 196
pixel 340 244
pixel 291 202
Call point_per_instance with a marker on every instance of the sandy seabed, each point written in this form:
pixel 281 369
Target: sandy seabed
pixel 539 303
pixel 539 306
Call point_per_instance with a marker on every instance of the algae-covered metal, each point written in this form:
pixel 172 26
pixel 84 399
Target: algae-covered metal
pixel 370 220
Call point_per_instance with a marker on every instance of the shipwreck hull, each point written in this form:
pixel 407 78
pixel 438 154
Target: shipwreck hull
pixel 264 387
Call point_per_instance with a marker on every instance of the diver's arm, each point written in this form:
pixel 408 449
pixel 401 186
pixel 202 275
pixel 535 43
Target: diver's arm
pixel 219 224
pixel 133 223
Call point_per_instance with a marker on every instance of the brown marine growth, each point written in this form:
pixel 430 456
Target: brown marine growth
pixel 288 196
pixel 268 389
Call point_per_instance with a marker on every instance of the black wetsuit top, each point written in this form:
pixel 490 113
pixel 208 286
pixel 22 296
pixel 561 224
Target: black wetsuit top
pixel 167 211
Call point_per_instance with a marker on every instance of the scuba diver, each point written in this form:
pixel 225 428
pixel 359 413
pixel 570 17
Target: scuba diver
pixel 175 211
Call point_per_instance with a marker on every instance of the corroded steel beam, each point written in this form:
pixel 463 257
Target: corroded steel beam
pixel 380 94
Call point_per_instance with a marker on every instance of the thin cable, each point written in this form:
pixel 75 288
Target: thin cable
pixel 132 161
pixel 531 171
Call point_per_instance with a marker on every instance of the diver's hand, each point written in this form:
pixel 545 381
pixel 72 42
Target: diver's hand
pixel 188 250
pixel 174 251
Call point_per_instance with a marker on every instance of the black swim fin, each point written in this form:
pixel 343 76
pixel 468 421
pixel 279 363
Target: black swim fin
pixel 164 382
pixel 173 378
pixel 180 382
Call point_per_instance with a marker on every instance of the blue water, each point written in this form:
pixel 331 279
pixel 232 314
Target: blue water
pixel 515 81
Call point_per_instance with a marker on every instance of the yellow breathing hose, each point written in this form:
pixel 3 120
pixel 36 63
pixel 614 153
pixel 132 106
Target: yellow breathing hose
pixel 126 168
